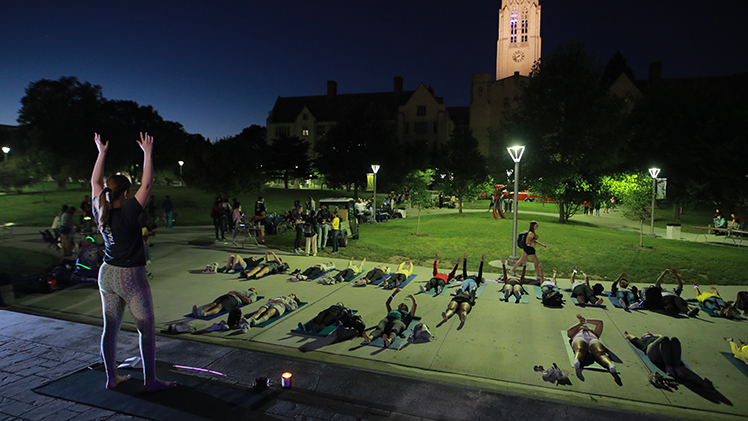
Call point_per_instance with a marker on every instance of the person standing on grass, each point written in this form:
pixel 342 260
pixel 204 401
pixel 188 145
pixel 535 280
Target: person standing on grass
pixel 529 251
pixel 335 231
pixel 260 219
pixel 168 208
pixel 122 277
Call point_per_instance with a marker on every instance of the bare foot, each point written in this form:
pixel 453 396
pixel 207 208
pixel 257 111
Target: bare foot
pixel 386 340
pixel 119 379
pixel 599 301
pixel 157 385
pixel 367 339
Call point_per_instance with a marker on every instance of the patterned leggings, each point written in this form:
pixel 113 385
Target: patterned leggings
pixel 120 287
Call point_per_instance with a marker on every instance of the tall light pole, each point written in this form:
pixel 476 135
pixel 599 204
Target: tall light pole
pixel 374 168
pixel 5 151
pixel 516 153
pixel 654 172
pixel 181 163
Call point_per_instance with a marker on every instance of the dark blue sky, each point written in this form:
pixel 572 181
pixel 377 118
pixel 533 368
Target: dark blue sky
pixel 217 67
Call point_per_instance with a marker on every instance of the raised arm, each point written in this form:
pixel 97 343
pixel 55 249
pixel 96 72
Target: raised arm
pixel 415 304
pixel 436 262
pixel 677 277
pixel 146 181
pixel 662 277
pixel 598 326
pixel 503 266
pixel 614 287
pixel 454 270
pixel 97 177
pixel 573 275
pixel 388 304
pixel 524 270
pixel 574 329
pixel 464 265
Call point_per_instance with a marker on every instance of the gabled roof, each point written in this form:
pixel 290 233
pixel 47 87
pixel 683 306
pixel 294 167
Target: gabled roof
pixel 325 108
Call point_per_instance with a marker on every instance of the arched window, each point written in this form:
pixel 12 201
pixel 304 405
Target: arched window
pixel 525 25
pixel 513 27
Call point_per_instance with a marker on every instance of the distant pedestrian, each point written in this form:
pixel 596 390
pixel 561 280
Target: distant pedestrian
pixel 335 231
pixel 586 205
pixel 168 208
pixel 259 219
pixel 216 213
pixel 597 208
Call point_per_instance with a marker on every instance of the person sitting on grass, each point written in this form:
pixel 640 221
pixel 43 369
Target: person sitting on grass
pixel 323 319
pixel 275 265
pixel 374 275
pixel 713 302
pixel 513 286
pixel 225 302
pixel 471 282
pixel 394 323
pixel 399 276
pixel 739 351
pixel 439 280
pixel 344 274
pixel 313 271
pixel 664 352
pixel 627 294
pixel 462 303
pixel 584 339
pixel 582 290
pixel 275 307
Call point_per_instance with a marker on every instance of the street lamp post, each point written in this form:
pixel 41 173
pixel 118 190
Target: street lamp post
pixel 516 154
pixel 5 151
pixel 654 172
pixel 374 168
pixel 181 163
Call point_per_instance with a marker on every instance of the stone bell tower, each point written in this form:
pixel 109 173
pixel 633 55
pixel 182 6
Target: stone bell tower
pixel 518 46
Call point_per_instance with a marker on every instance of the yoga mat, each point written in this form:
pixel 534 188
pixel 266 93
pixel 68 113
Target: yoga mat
pixel 577 303
pixel 274 319
pixel 354 276
pixel 322 333
pixel 407 281
pixel 740 365
pixel 478 291
pixel 398 342
pixel 295 278
pixel 539 292
pixel 589 362
pixel 224 312
pixel 523 299
pixel 195 398
pixel 650 365
pixel 432 291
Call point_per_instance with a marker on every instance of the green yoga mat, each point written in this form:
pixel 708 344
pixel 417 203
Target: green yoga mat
pixel 589 362
pixel 195 398
pixel 275 319
pixel 398 342
pixel 322 333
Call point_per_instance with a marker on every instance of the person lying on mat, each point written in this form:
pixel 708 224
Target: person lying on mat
pixel 582 290
pixel 672 303
pixel 626 293
pixel 401 274
pixel 462 303
pixel 235 263
pixel 550 285
pixel 664 352
pixel 346 273
pixel 470 282
pixel 439 280
pixel 323 319
pixel 374 275
pixel 225 302
pixel 513 286
pixel 713 302
pixel 395 322
pixel 739 351
pixel 275 307
pixel 271 266
pixel 313 271
pixel 584 339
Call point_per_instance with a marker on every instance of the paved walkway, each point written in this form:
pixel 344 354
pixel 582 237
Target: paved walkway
pixel 487 362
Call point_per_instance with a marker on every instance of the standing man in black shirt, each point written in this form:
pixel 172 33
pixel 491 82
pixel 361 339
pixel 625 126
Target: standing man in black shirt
pixel 260 218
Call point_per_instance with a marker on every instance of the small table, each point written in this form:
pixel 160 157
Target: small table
pixel 729 234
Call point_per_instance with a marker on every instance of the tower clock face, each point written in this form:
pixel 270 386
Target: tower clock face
pixel 518 56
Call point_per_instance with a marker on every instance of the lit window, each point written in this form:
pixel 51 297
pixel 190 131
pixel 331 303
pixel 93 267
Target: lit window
pixel 524 26
pixel 513 27
pixel 421 110
pixel 305 131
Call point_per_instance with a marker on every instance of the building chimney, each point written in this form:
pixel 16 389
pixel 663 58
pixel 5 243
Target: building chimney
pixel 655 72
pixel 332 89
pixel 398 85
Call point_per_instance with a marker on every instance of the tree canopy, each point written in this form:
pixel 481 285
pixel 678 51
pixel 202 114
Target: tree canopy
pixel 463 167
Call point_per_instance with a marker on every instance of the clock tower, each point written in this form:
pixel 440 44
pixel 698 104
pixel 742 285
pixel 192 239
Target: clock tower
pixel 518 47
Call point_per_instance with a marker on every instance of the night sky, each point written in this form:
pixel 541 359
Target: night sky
pixel 217 67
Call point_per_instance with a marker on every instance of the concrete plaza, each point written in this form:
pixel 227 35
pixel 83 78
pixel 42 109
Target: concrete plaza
pixel 493 353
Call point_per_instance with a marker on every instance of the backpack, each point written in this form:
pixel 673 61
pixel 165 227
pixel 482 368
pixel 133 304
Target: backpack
pixel 653 298
pixel 741 303
pixel 522 240
pixel 421 333
pixel 598 288
pixel 552 298
pixel 235 316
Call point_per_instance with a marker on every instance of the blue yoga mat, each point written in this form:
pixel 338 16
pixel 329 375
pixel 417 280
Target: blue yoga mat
pixel 274 319
pixel 398 342
pixel 577 303
pixel 406 281
pixel 715 314
pixel 743 367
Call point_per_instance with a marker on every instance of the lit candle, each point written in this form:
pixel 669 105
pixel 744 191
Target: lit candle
pixel 286 380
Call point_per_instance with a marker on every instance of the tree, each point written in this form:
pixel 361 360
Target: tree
pixel 417 183
pixel 634 192
pixel 288 158
pixel 463 166
pixel 19 172
pixel 363 136
pixel 571 126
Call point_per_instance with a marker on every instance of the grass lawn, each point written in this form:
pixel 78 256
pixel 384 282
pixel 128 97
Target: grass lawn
pixel 21 262
pixel 601 252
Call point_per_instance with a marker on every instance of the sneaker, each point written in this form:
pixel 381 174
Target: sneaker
pixel 244 326
pixel 693 312
pixel 194 311
pixel 512 272
pixel 301 327
pixel 201 313
pixel 252 322
pixel 422 288
pixel 577 364
pixel 217 326
pixel 613 369
pixel 295 252
pixel 439 289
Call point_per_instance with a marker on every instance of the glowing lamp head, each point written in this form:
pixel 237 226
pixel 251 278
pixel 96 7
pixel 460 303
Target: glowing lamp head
pixel 375 168
pixel 654 172
pixel 516 152
pixel 6 149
